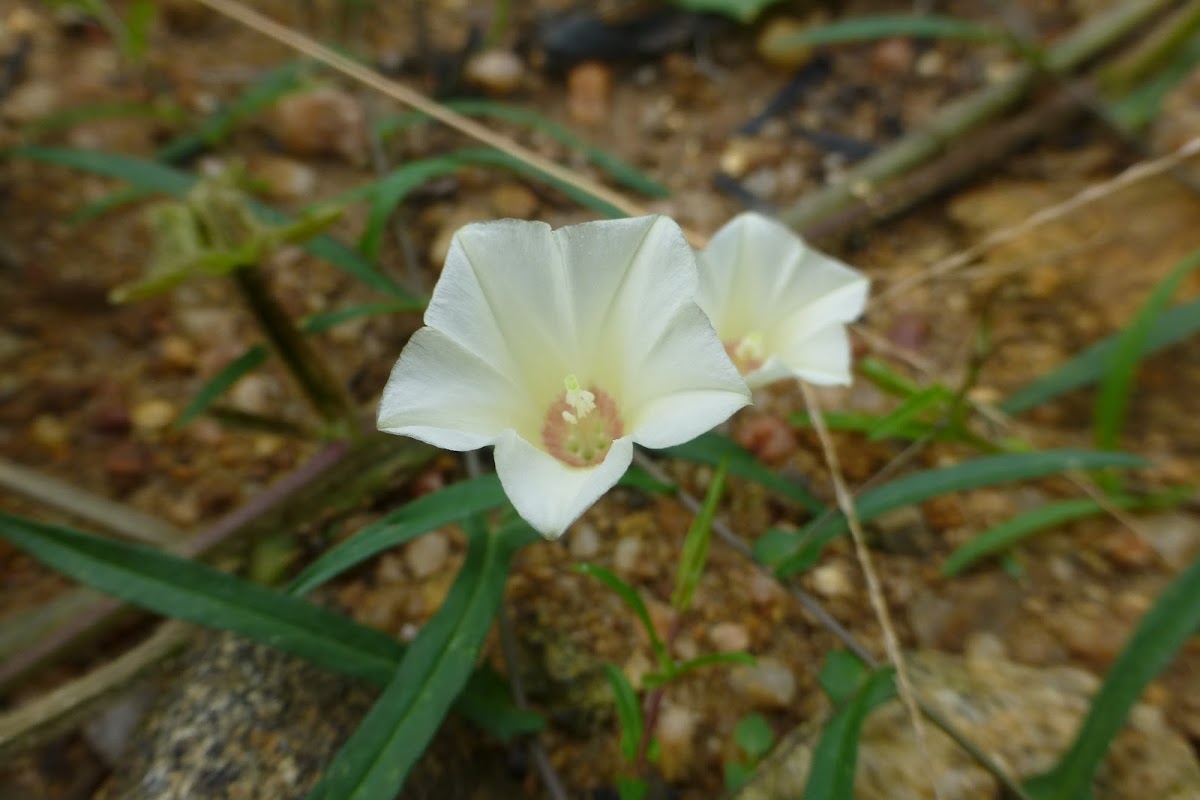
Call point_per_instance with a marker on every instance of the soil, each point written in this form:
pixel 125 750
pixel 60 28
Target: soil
pixel 89 390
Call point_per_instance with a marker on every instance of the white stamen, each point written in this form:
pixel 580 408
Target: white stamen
pixel 750 348
pixel 579 399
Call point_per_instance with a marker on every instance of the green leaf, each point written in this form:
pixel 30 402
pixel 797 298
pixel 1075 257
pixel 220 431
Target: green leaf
pixel 632 788
pixel 774 545
pixel 620 171
pixel 319 323
pixel 637 478
pixel 835 756
pixel 842 674
pixel 867 29
pixel 695 545
pixel 455 503
pixel 1172 326
pixel 152 177
pixel 657 679
pixel 1000 538
pixel 1166 627
pixel 1141 106
pixel 933 398
pixel 374 762
pixel 629 712
pixel 1121 369
pixel 737 775
pixel 754 736
pixel 744 11
pixel 256 97
pixel 921 486
pixel 886 379
pixel 197 593
pixel 632 599
pixel 712 448
pixel 487 703
pixel 220 383
pixel 92 112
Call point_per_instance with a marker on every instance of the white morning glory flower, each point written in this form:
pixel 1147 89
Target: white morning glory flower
pixel 562 348
pixel 779 306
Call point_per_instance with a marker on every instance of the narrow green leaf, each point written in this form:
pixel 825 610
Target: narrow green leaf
pixel 455 503
pixel 1166 627
pixel 319 323
pixel 254 98
pixel 198 593
pixel 487 703
pixel 737 775
pixel 76 115
pixel 620 171
pixel 867 29
pixel 637 478
pixel 1121 369
pixel 629 711
pixel 754 736
pixel 932 398
pixel 695 545
pixel 220 383
pixel 700 662
pixel 153 177
pixel 921 486
pixel 1170 327
pixel 886 379
pixel 744 11
pixel 835 758
pixel 632 599
pixel 712 448
pixel 374 762
pixel 775 545
pixel 1002 537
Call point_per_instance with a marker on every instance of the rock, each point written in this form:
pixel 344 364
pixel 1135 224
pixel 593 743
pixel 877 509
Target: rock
pixel 626 556
pixel 729 637
pixel 676 729
pixel 770 438
pixel 774 45
pixel 284 178
pixel 513 200
pixel 428 554
pixel 499 72
pixel 583 541
pixel 589 92
pixel 319 122
pixel 832 580
pixel 110 732
pixel 31 101
pixel 152 415
pixel 1175 536
pixel 50 432
pixel 178 353
pixel 1023 717
pixel 893 56
pixel 767 684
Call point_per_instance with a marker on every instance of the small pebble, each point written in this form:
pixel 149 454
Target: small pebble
pixel 153 415
pixel 626 556
pixel 178 352
pixel 514 201
pixel 284 178
pixel 832 580
pixel 768 437
pixel 1175 535
pixel 583 541
pixel 676 730
pixel 729 637
pixel 499 72
pixel 319 122
pixel 767 684
pixel 427 555
pixel 775 45
pixel 31 101
pixel 589 92
pixel 894 56
pixel 49 431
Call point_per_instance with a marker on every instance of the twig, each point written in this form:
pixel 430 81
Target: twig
pixel 116 518
pixel 36 721
pixel 1091 194
pixel 966 115
pixel 891 642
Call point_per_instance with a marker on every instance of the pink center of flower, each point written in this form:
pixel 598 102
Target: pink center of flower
pixel 746 353
pixel 581 424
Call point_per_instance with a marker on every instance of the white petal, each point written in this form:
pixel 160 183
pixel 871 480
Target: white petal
pixel 441 393
pixel 823 292
pixel 684 385
pixel 773 369
pixel 823 358
pixel 628 277
pixel 504 296
pixel 548 494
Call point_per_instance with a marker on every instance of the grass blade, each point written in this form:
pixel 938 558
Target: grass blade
pixel 1121 367
pixel 620 171
pixel 933 398
pixel 1002 537
pixel 1166 627
pixel 373 764
pixel 629 712
pixel 921 486
pixel 319 323
pixel 867 29
pixel 835 757
pixel 153 177
pixel 632 599
pixel 220 383
pixel 712 449
pixel 695 545
pixel 253 99
pixel 197 593
pixel 1170 327
pixel 452 504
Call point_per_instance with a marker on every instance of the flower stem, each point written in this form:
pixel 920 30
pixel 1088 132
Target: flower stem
pixel 324 392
